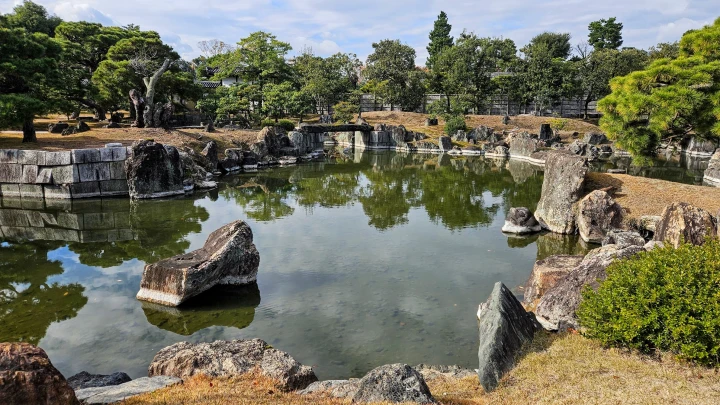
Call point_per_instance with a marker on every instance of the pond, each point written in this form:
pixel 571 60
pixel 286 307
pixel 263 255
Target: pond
pixel 377 258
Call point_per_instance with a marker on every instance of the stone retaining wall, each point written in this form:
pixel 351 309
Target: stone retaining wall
pixel 54 223
pixel 77 173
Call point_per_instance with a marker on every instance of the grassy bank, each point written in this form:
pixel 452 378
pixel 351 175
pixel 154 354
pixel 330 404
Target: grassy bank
pixel 564 369
pixel 643 196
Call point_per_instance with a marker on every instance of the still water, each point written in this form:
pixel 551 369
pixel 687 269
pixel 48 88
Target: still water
pixel 372 259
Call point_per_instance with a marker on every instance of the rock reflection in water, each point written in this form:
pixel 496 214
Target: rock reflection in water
pixel 232 306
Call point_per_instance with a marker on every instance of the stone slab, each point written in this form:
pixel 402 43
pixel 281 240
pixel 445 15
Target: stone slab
pixel 29 174
pixel 31 191
pixel 99 220
pixel 12 217
pixel 48 218
pixel 9 190
pixel 57 192
pixel 112 188
pixel 65 174
pixel 8 156
pixel 10 173
pixel 94 171
pixel 69 235
pixel 119 154
pixel 35 218
pixel 117 393
pixel 58 204
pixel 44 176
pixel 117 170
pixel 85 190
pixel 70 220
pixel 31 157
pixel 106 155
pixel 94 236
pixel 60 158
pixel 85 156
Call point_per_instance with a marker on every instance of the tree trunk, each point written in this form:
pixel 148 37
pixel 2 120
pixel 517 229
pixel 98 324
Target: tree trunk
pixel 100 114
pixel 587 102
pixel 150 83
pixel 29 130
pixel 138 108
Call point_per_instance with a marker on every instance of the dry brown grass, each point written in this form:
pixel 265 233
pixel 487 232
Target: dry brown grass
pixel 416 122
pixel 558 369
pixel 642 196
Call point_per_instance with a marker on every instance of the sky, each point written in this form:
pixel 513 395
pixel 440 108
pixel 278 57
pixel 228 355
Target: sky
pixel 331 26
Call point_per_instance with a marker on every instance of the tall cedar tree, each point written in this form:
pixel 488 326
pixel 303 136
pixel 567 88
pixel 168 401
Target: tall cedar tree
pixel 439 39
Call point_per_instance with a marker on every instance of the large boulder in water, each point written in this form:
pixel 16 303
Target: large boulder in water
pixel 523 145
pixel 546 274
pixel 230 358
pixel 562 187
pixel 228 257
pixel 521 221
pixel 557 307
pixel 597 214
pixel 682 222
pixel 393 383
pixel 504 327
pixel 712 173
pixel 270 136
pixel 153 170
pixel 211 154
pixel 28 377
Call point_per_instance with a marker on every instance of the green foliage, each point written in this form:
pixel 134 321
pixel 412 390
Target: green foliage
pixel 663 50
pixel 391 62
pixel 327 80
pixel 666 299
pixel 284 124
pixel 29 77
pixel 277 99
pixel 605 34
pixel 344 112
pixel 670 98
pixel 32 17
pixel 558 124
pixel 440 39
pixel 554 44
pixel 454 123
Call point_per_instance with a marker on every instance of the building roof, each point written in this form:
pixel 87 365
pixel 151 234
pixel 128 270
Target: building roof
pixel 206 84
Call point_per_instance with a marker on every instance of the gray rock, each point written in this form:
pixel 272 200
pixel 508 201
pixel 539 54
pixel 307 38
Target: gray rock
pixel 682 222
pixel 595 138
pixel 504 327
pixel 269 135
pixel 461 136
pixel 431 372
pixel 598 213
pixel 562 187
pixel 546 274
pixel 578 148
pixel 28 377
pixel 260 149
pixel 445 143
pixel 521 221
pixel 505 120
pixel 393 383
pixel 501 150
pixel 228 257
pixel 700 147
pixel 84 379
pixel 557 307
pixel 153 170
pixel 210 152
pixel 82 126
pixel 623 239
pixel 712 173
pixel 546 132
pixel 58 128
pixel 333 388
pixel 117 393
pixel 523 145
pixel 228 358
pixel 483 134
pixel 653 245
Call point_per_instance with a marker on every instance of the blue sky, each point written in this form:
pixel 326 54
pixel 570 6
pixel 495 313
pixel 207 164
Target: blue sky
pixel 330 26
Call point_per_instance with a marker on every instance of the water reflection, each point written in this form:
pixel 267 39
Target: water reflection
pixel 28 302
pixel 221 306
pixel 679 168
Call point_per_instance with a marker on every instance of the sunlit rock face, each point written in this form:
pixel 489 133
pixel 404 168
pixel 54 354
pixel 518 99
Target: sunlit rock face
pixel 228 257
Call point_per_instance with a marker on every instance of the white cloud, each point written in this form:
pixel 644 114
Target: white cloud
pixel 330 26
pixel 81 12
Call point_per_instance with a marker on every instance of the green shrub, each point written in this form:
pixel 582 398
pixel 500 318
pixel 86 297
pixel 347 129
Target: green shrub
pixel 666 299
pixel 454 123
pixel 558 124
pixel 344 112
pixel 284 124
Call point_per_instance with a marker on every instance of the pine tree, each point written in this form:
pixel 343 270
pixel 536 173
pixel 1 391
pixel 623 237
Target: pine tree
pixel 605 34
pixel 439 39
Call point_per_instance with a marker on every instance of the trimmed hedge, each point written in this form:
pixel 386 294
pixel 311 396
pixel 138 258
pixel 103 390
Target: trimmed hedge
pixel 666 299
pixel 284 124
